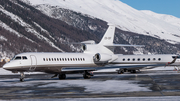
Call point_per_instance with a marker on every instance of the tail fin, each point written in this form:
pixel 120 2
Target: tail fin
pixel 108 36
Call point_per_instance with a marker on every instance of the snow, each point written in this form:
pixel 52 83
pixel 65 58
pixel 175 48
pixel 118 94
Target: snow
pixel 114 86
pixel 43 30
pixel 3 25
pixel 28 28
pixel 2 38
pixel 123 16
pixel 4 72
pixel 100 86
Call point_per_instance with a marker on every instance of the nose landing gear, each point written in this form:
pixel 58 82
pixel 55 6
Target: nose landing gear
pixel 22 76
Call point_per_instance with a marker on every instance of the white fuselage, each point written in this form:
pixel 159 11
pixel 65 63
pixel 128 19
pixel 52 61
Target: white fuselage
pixel 54 62
pixel 49 62
pixel 147 59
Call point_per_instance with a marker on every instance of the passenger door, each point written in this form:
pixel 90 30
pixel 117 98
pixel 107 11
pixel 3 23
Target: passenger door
pixel 33 63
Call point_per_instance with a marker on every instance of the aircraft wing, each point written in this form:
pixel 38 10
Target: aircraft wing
pixel 68 69
pixel 123 45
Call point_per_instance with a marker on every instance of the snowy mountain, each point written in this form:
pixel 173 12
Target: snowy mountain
pixel 125 17
pixel 46 28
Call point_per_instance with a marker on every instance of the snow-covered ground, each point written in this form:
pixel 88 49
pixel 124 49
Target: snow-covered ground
pixel 91 86
pixel 125 17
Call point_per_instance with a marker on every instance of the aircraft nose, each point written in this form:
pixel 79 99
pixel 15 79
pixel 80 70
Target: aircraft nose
pixel 6 66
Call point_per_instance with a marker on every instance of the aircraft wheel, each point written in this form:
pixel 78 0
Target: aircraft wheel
pixel 22 76
pixel 62 76
pixel 22 79
pixel 86 77
pixel 133 71
pixel 120 71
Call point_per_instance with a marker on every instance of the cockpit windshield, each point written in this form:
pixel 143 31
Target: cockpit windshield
pixel 24 57
pixel 17 58
pixel 13 58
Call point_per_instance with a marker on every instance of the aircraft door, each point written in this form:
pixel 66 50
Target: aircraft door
pixel 33 63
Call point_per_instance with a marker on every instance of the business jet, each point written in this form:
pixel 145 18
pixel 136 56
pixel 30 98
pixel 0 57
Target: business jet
pixel 94 57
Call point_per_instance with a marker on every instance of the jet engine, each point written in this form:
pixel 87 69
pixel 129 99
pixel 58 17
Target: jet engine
pixel 84 47
pixel 102 57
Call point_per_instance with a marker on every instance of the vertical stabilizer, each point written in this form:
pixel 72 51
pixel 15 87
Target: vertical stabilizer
pixel 108 36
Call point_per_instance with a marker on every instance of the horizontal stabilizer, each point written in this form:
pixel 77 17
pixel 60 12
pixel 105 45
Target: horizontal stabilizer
pixel 123 45
pixel 84 42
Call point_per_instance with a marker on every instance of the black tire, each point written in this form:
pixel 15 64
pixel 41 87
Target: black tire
pixel 86 77
pixel 120 71
pixel 133 71
pixel 62 76
pixel 22 79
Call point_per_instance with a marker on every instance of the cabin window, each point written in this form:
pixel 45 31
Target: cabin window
pixel 71 59
pixel 24 58
pixel 18 58
pixel 62 59
pixel 133 59
pixel 144 59
pixel 149 59
pixel 57 59
pixel 49 59
pixel 154 59
pixel 128 59
pixel 159 59
pixel 44 59
pixel 54 59
pixel 138 59
pixel 83 59
pixel 123 59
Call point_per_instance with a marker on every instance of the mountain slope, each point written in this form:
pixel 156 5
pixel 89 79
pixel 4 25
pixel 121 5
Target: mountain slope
pixel 24 29
pixel 45 28
pixel 124 16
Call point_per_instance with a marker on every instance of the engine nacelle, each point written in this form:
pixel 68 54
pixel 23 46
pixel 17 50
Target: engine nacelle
pixel 84 47
pixel 102 57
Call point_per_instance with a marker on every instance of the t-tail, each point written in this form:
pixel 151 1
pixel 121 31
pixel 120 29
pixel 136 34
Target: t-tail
pixel 108 37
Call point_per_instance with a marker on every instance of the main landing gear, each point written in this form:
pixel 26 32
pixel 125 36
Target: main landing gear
pixel 121 71
pixel 22 76
pixel 87 75
pixel 61 76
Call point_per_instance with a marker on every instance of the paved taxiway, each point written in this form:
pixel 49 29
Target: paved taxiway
pixel 158 83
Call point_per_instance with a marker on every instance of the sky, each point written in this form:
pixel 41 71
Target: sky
pixel 170 7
